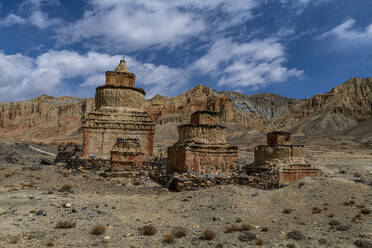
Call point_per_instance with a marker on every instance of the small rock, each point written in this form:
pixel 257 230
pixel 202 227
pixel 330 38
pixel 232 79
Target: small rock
pixel 67 205
pixel 39 212
pixel 106 239
pixel 46 162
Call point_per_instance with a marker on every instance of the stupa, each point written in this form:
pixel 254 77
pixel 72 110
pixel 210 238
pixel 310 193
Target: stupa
pixel 282 156
pixel 202 147
pixel 118 114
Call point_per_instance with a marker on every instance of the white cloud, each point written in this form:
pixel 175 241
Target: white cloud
pixel 345 31
pixel 12 19
pixel 137 24
pixel 23 77
pixel 252 64
pixel 35 16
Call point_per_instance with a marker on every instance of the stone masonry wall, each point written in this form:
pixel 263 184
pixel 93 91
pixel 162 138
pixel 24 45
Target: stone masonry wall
pixel 202 134
pixel 111 97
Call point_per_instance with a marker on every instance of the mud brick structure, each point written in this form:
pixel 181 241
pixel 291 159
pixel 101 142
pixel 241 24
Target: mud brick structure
pixel 282 156
pixel 202 147
pixel 126 156
pixel 118 114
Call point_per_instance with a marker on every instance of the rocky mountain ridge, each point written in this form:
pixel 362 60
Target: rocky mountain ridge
pixel 58 119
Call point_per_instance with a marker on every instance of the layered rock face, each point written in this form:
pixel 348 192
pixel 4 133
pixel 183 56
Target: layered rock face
pixel 45 118
pixel 282 156
pixel 118 114
pixel 202 147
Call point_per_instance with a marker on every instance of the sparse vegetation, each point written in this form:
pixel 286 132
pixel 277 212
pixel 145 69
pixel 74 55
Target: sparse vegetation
pixel 264 229
pixel 259 242
pixel 334 223
pixel 365 211
pixel 65 224
pixel 296 235
pixel 208 234
pixel 237 228
pixel 286 211
pixel 247 236
pixel 49 243
pixel 348 203
pixel 14 239
pixel 98 229
pixel 316 210
pixel 66 188
pixel 148 230
pixel 179 232
pixel 169 238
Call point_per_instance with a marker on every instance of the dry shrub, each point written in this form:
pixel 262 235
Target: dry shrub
pixel 247 236
pixel 331 215
pixel 323 241
pixel 291 245
pixel 363 243
pixel 296 235
pixel 265 229
pixel 38 178
pixel 14 239
pixel 169 238
pixel 360 206
pixel 343 227
pixel 66 187
pixel 148 230
pixel 49 243
pixel 365 211
pixel 348 203
pixel 65 224
pixel 232 228
pixel 98 229
pixel 286 211
pixel 238 220
pixel 179 232
pixel 208 234
pixel 245 227
pixel 65 174
pixel 356 217
pixel 259 242
pixel 316 210
pixel 9 174
pixel 334 223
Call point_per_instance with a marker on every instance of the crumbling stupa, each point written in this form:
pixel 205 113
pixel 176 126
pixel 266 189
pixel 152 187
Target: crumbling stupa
pixel 118 114
pixel 282 156
pixel 202 147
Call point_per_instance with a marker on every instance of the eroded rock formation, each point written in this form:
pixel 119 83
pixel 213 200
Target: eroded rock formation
pixel 202 147
pixel 118 114
pixel 282 156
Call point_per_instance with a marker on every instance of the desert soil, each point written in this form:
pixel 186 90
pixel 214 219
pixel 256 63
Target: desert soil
pixel 32 204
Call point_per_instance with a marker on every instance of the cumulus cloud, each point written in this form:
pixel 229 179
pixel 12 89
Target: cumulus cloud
pixel 251 64
pixel 345 31
pixel 23 77
pixel 138 24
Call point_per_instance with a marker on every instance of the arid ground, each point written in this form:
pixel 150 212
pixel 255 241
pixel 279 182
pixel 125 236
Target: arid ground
pixel 46 205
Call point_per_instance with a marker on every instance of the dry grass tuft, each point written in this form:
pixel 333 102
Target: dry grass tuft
pixel 49 243
pixel 247 236
pixel 98 229
pixel 331 215
pixel 245 227
pixel 334 223
pixel 316 210
pixel 259 242
pixel 238 220
pixel 264 229
pixel 356 218
pixel 14 239
pixel 9 174
pixel 65 174
pixel 179 232
pixel 348 203
pixel 208 235
pixel 65 224
pixel 291 245
pixel 343 227
pixel 232 228
pixel 296 235
pixel 365 211
pixel 286 211
pixel 169 238
pixel 66 188
pixel 148 230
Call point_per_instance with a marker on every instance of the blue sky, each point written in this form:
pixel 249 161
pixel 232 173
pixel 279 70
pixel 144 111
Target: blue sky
pixel 294 48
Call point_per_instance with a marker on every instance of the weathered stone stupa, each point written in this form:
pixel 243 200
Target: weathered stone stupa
pixel 282 156
pixel 202 147
pixel 118 114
